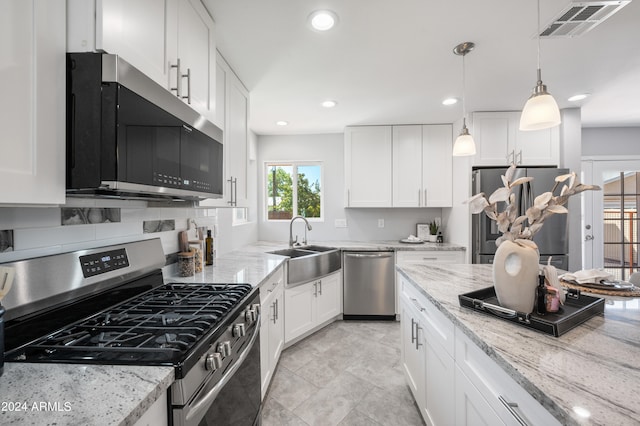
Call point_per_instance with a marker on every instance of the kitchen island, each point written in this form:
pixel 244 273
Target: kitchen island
pixel 590 375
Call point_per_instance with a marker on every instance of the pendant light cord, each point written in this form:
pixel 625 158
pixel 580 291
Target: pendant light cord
pixel 464 107
pixel 538 37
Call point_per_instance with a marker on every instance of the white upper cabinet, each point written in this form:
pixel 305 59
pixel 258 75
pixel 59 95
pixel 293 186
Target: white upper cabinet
pixel 368 178
pixel 407 166
pixel 398 166
pixel 196 51
pixel 437 171
pixel 171 41
pixel 232 115
pixel 32 66
pixel 499 141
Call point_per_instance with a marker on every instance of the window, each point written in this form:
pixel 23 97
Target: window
pixel 621 200
pixel 293 189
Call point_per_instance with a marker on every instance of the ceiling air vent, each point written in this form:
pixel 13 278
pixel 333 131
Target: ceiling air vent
pixel 578 17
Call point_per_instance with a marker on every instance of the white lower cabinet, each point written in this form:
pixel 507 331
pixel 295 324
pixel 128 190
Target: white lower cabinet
pixel 451 378
pixel 511 403
pixel 271 327
pixel 427 358
pixel 471 407
pixel 309 305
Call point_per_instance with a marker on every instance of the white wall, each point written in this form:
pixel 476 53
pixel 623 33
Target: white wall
pixel 608 141
pixel 457 219
pixel 571 158
pixel 362 224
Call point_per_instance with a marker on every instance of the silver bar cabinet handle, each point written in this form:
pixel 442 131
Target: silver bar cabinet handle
pixel 178 76
pixel 511 406
pixel 188 77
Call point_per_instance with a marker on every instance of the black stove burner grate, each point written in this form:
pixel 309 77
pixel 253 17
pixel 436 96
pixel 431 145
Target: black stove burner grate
pixel 163 323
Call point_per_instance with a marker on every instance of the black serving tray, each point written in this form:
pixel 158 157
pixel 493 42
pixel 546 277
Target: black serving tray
pixel 577 309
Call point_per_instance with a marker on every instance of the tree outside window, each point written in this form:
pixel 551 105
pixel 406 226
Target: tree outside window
pixel 293 187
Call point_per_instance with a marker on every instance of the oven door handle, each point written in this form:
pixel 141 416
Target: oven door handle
pixel 199 408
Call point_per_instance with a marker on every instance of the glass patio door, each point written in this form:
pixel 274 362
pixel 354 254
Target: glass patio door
pixel 610 224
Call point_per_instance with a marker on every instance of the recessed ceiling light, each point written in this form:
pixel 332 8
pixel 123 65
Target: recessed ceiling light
pixel 578 97
pixel 323 20
pixel 329 104
pixel 450 101
pixel 282 123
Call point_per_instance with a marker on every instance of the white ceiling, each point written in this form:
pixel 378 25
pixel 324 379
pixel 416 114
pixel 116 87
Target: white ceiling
pixel 391 61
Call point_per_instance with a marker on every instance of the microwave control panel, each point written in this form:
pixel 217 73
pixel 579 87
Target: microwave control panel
pixel 100 263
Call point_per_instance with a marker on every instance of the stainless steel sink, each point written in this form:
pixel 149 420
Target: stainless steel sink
pixel 310 262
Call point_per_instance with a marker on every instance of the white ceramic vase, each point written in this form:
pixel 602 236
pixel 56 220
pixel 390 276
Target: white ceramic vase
pixel 432 238
pixel 515 276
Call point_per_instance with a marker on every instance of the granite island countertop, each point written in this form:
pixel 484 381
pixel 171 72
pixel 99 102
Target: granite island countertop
pixel 593 368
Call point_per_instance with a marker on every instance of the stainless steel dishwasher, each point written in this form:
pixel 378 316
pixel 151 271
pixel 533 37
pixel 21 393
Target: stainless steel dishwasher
pixel 369 285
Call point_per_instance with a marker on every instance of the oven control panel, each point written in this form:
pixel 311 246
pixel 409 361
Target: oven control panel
pixel 106 261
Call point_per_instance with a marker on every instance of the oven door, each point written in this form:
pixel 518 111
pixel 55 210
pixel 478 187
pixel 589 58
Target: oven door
pixel 234 400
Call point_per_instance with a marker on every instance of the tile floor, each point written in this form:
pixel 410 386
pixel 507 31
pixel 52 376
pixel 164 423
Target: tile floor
pixel 345 374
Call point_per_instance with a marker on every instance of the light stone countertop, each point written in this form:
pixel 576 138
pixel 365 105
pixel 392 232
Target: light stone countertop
pixel 595 366
pixel 266 246
pixel 74 394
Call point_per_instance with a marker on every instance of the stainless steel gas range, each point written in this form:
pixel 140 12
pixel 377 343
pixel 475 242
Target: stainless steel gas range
pixel 110 306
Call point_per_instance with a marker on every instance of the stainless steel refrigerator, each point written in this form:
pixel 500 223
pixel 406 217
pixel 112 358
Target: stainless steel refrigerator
pixel 552 239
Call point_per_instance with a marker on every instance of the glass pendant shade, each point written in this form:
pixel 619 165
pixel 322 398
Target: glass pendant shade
pixel 464 144
pixel 541 111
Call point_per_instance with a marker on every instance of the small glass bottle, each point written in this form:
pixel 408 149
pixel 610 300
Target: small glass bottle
pixel 541 293
pixel 186 263
pixel 208 251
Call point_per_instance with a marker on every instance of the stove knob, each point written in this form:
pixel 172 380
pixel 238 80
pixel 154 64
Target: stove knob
pixel 249 316
pixel 213 361
pixel 224 349
pixel 238 330
pixel 256 308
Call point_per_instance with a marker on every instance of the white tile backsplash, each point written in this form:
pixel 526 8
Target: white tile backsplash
pixel 38 230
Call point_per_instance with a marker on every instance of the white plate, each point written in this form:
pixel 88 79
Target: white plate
pixel 412 241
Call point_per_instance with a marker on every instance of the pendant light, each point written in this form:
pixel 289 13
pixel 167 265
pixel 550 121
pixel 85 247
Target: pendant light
pixel 541 110
pixel 464 144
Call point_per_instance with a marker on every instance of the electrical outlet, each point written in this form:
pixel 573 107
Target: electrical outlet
pixel 438 221
pixel 380 223
pixel 340 223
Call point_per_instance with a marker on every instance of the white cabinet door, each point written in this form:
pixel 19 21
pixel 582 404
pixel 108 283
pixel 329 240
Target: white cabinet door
pixel 471 407
pixel 439 384
pixel 265 330
pixel 276 327
pixel 413 353
pixel 538 148
pixel 368 168
pixel 329 298
pixel 232 110
pixel 407 166
pixel 32 68
pixel 237 140
pixel 196 50
pixel 271 326
pixel 137 31
pixel 493 133
pixel 437 172
pixel 299 310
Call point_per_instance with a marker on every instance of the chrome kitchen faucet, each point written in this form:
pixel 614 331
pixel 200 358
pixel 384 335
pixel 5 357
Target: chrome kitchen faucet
pixel 291 240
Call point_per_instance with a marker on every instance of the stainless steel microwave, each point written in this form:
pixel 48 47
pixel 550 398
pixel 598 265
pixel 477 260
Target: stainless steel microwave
pixel 128 137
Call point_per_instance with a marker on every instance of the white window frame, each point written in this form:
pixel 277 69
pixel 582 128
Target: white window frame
pixel 294 183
